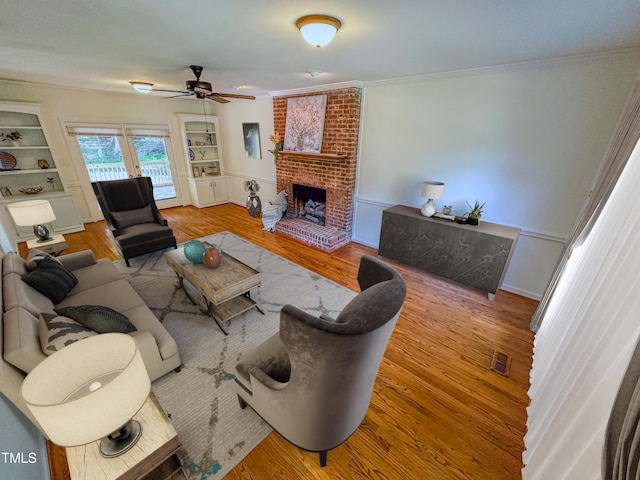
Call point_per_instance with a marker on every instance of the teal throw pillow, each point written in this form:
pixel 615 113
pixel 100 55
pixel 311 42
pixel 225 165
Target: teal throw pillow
pixel 98 318
pixel 52 279
pixel 56 332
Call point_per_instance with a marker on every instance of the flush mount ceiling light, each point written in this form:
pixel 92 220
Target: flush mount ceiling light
pixel 142 87
pixel 318 30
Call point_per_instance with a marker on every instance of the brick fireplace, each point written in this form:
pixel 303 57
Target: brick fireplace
pixel 333 170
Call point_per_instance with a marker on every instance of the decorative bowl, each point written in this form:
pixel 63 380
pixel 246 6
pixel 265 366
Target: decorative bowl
pixel 30 190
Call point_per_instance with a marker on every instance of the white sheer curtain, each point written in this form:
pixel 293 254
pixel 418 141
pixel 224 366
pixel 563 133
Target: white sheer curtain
pixel 588 332
pixel 622 144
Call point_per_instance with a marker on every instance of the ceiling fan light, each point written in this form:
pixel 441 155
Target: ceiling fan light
pixel 142 87
pixel 318 30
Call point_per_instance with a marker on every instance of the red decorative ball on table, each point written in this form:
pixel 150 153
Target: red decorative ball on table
pixel 212 257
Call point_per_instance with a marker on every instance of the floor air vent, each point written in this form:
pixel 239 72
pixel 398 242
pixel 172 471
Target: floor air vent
pixel 501 363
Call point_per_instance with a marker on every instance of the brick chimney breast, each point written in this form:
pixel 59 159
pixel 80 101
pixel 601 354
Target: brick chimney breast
pixel 334 173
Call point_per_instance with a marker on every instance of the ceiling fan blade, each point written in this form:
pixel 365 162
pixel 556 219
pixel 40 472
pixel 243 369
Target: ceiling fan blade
pixel 173 91
pixel 233 95
pixel 186 94
pixel 204 91
pixel 216 98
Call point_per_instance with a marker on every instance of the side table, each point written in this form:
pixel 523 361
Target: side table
pixel 55 246
pixel 152 457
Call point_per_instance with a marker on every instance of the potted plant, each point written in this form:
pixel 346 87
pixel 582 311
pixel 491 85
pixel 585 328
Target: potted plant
pixel 473 217
pixel 12 137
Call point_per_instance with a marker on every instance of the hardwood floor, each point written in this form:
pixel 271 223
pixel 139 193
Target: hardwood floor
pixel 438 411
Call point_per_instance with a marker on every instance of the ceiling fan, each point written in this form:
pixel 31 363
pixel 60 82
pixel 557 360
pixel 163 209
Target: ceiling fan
pixel 203 89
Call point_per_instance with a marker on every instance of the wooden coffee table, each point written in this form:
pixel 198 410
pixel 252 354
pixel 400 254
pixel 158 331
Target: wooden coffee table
pixel 223 292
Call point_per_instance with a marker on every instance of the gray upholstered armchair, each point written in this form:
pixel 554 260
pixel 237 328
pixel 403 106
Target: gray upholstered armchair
pixel 313 380
pixel 133 217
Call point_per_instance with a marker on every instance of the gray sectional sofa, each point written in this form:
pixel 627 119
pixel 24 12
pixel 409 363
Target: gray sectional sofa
pixel 99 283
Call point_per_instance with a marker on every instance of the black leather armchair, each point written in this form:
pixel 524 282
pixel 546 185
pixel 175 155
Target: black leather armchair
pixel 132 216
pixel 313 380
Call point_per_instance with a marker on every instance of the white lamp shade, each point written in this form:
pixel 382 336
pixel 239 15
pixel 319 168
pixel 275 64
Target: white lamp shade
pixel 318 30
pixel 88 389
pixel 432 189
pixel 31 212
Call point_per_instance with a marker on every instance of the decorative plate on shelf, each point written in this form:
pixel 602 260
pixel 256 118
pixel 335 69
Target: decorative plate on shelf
pixel 192 155
pixel 30 190
pixel 7 161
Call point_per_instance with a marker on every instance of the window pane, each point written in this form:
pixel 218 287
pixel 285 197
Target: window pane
pixel 103 157
pixel 154 163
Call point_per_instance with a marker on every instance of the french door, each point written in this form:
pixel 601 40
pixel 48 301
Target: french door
pixel 112 153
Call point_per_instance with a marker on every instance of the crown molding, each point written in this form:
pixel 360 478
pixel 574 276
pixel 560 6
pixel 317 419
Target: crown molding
pixel 627 52
pixel 318 88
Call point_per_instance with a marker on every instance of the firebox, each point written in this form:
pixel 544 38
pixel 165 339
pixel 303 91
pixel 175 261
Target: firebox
pixel 309 203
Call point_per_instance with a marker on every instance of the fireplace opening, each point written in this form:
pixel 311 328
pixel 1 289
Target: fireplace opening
pixel 309 203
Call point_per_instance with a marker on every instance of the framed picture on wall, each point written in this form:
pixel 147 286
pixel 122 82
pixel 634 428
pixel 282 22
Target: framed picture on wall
pixel 251 133
pixel 305 123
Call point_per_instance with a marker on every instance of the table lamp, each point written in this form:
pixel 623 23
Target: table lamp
pixel 33 213
pixel 90 390
pixel 431 191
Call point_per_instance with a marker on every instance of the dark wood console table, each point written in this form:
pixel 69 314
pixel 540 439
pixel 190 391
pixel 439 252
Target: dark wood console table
pixel 474 255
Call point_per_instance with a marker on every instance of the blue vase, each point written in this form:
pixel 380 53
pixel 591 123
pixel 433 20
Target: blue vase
pixel 194 251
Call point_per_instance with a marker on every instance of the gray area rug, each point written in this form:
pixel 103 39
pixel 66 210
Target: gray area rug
pixel 215 433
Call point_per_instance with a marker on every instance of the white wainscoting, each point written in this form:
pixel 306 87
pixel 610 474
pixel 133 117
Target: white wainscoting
pixel 238 195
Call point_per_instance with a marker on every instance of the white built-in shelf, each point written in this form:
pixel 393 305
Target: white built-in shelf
pixel 205 160
pixel 19 171
pixel 23 147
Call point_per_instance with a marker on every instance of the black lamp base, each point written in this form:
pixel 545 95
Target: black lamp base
pixel 42 233
pixel 121 441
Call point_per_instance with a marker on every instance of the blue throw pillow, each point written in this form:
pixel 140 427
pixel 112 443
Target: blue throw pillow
pixel 98 318
pixel 52 279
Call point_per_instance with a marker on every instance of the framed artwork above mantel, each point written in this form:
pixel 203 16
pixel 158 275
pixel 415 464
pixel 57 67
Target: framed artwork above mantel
pixel 305 123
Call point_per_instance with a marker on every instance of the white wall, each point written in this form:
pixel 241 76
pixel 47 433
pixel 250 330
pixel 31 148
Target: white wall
pixel 527 139
pixel 231 116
